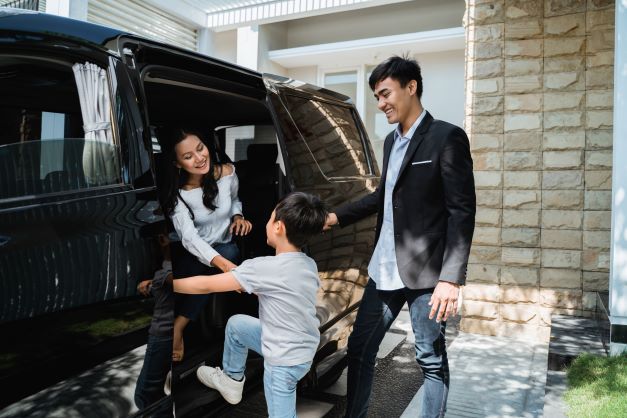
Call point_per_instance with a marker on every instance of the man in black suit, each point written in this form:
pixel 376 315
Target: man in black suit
pixel 425 206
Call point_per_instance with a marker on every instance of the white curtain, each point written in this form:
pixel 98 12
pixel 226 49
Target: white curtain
pixel 99 156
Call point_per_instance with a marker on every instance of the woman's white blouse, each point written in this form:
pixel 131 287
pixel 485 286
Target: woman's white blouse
pixel 208 226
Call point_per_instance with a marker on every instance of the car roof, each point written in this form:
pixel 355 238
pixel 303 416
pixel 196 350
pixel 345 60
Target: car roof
pixel 26 21
pixel 103 37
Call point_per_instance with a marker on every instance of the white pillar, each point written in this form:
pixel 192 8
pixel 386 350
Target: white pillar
pixel 76 9
pixel 205 41
pixel 618 251
pixel 248 46
pixel 58 7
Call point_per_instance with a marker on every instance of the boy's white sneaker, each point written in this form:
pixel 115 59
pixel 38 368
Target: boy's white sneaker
pixel 215 378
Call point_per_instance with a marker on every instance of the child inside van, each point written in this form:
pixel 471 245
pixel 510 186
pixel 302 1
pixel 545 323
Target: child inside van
pixel 157 361
pixel 286 333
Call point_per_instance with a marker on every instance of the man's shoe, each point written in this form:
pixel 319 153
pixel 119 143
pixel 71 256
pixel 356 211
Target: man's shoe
pixel 215 378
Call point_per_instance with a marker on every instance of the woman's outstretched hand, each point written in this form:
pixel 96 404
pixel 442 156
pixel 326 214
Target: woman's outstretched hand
pixel 240 226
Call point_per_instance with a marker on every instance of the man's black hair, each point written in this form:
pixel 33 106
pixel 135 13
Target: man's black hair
pixel 401 69
pixel 303 215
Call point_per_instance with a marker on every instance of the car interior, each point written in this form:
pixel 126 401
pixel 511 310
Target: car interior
pixel 241 129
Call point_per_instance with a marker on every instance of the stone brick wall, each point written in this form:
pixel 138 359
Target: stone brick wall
pixel 539 97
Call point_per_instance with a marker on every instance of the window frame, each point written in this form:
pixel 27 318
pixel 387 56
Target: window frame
pixel 358 125
pixel 68 61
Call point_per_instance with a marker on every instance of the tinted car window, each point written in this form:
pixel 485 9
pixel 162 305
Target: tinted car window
pixel 332 136
pixel 43 145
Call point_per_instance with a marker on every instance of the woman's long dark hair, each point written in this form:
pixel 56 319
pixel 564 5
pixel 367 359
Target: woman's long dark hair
pixel 176 177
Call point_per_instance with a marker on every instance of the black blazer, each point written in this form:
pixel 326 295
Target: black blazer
pixel 434 205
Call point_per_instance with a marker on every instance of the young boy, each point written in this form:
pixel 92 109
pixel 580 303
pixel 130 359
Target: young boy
pixel 152 381
pixel 286 333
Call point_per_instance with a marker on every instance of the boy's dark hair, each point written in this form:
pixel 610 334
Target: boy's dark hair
pixel 303 215
pixel 401 69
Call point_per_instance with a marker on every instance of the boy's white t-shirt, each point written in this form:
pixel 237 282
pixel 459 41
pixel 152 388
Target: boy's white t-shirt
pixel 287 286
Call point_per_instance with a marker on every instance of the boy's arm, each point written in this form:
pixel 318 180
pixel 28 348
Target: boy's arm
pixel 199 285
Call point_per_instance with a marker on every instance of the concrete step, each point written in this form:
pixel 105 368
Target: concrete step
pixel 571 336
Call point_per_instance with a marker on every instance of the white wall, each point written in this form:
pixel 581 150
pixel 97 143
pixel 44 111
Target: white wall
pixel 414 16
pixel 443 85
pixel 618 257
pixel 225 45
pixel 271 36
pixel 305 74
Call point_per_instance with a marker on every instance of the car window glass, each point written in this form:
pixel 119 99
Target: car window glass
pixel 55 132
pixel 238 138
pixel 332 136
pixel 236 141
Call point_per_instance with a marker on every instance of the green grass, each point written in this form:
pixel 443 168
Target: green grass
pixel 72 332
pixel 111 327
pixel 597 387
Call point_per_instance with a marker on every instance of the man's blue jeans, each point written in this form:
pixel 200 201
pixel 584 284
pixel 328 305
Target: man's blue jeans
pixel 377 311
pixel 243 332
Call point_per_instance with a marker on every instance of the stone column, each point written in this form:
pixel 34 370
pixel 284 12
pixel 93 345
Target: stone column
pixel 539 117
pixel 484 123
pixel 522 165
pixel 563 151
pixel 618 264
pixel 598 158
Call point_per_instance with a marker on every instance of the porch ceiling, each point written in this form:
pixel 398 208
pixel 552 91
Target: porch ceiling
pixel 229 14
pixel 371 50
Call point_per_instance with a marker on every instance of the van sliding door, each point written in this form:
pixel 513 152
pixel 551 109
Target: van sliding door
pixel 328 154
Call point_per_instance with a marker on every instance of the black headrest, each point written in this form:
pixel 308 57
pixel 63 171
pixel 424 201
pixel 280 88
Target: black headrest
pixel 56 177
pixel 262 153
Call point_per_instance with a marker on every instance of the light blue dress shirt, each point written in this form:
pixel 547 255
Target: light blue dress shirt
pixel 383 268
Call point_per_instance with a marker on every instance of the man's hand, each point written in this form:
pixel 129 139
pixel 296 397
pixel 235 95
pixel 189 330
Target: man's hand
pixel 331 221
pixel 444 300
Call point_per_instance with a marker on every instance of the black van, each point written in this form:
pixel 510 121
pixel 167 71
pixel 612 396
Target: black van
pixel 81 107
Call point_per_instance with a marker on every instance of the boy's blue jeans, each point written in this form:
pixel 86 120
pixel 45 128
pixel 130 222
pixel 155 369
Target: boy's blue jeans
pixel 243 332
pixel 377 311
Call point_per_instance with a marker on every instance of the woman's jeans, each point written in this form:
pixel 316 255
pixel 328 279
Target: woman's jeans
pixel 186 264
pixel 377 311
pixel 243 332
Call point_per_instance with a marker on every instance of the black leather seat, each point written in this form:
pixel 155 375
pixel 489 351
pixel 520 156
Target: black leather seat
pixel 258 191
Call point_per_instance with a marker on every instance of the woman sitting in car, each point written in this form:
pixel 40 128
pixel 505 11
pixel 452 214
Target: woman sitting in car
pixel 206 212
